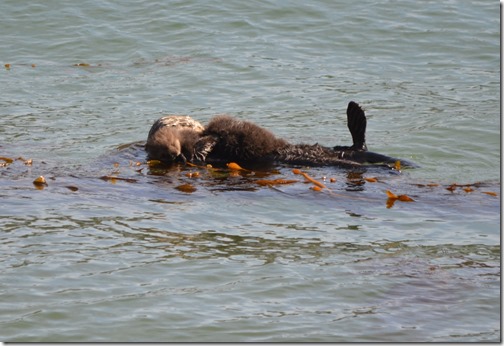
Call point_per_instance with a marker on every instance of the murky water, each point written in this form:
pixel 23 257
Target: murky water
pixel 114 250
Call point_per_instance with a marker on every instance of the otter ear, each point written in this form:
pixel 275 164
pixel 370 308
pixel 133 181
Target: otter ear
pixel 204 147
pixel 356 121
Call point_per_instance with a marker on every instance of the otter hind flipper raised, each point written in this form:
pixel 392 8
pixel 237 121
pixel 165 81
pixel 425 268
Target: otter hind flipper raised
pixel 356 121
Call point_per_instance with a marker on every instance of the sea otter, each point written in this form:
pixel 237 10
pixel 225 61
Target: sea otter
pixel 229 139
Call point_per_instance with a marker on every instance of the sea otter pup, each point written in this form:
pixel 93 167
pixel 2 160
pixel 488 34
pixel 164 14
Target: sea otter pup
pixel 172 138
pixel 227 139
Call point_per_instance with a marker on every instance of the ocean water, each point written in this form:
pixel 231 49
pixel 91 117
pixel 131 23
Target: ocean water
pixel 112 249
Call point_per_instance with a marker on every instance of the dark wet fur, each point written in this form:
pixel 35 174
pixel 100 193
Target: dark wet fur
pixel 240 141
pixel 229 139
pixel 310 155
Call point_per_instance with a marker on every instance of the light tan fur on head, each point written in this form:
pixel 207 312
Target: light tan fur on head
pixel 181 121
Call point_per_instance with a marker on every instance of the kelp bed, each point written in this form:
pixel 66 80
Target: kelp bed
pixel 128 165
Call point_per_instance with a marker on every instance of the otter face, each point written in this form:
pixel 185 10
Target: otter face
pixel 164 145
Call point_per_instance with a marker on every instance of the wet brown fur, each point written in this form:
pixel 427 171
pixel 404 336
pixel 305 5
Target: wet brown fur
pixel 170 143
pixel 241 141
pixel 245 142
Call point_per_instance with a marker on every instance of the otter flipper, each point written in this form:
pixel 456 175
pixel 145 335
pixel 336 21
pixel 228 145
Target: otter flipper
pixel 356 121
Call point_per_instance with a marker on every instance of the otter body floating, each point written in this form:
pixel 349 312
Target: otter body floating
pixel 227 139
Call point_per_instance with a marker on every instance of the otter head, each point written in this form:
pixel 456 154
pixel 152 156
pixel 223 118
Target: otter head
pixel 165 145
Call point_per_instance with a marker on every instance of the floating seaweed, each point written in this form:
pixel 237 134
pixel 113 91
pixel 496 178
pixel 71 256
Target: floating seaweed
pixel 6 161
pixel 265 182
pixel 235 167
pixel 392 197
pixel 114 179
pixel 192 174
pixel 40 182
pixel 86 65
pixel 187 188
pixel 308 178
pixel 397 165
